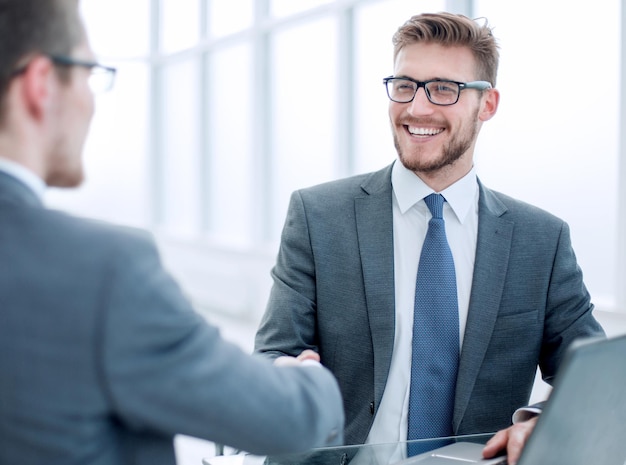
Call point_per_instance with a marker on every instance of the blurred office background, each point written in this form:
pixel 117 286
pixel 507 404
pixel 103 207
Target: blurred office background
pixel 223 107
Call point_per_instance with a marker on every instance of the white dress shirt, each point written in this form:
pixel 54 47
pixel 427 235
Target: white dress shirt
pixel 410 223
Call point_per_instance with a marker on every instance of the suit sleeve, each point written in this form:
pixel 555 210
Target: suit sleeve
pixel 289 324
pixel 569 311
pixel 166 370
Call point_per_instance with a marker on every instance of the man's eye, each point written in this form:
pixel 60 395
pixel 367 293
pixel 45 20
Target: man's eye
pixel 444 88
pixel 404 87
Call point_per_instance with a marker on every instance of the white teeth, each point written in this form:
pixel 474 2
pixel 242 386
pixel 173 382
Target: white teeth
pixel 424 131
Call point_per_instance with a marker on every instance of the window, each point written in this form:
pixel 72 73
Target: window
pixel 221 109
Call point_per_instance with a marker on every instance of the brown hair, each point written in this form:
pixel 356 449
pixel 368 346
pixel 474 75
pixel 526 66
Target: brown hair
pixel 28 27
pixel 450 29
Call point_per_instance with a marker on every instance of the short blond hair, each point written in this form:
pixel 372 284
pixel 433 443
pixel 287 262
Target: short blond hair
pixel 451 30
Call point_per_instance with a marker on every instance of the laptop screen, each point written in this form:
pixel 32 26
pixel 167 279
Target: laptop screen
pixel 584 421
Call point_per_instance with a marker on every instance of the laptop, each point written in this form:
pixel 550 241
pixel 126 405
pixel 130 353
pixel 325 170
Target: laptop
pixel 583 422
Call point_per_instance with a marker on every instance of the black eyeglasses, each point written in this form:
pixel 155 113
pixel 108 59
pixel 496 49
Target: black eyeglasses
pixel 101 77
pixel 438 91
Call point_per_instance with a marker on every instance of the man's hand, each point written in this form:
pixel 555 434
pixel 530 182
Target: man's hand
pixel 292 361
pixel 512 439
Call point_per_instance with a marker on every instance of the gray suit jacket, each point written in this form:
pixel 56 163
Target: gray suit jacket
pixel 103 360
pixel 333 292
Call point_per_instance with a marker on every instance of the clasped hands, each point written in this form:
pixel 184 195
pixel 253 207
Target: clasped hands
pixel 307 354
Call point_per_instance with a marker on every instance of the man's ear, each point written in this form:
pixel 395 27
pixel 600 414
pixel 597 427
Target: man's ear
pixel 38 85
pixel 489 104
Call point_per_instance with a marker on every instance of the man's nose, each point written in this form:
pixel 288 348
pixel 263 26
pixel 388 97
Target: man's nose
pixel 420 105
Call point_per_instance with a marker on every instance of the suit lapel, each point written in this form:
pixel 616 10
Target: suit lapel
pixel 374 221
pixel 490 266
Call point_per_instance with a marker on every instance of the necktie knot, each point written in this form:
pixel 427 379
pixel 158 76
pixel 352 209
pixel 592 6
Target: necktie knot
pixel 435 202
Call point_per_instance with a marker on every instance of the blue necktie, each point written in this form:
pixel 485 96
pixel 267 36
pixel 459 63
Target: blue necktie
pixel 435 356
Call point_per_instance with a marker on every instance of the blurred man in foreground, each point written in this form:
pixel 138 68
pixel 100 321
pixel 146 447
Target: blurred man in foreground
pixel 102 359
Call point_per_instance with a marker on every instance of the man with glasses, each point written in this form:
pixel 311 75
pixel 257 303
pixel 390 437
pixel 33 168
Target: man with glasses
pixel 102 359
pixel 432 298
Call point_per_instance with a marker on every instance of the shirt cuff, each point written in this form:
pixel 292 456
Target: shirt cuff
pixel 526 413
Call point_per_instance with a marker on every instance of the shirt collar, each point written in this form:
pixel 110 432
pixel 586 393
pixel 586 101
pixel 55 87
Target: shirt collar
pixel 409 189
pixel 24 175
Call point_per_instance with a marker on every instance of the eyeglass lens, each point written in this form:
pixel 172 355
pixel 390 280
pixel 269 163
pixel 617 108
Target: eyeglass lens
pixel 438 92
pixel 101 79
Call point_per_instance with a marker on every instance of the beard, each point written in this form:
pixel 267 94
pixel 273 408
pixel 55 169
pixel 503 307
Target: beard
pixel 450 152
pixel 65 164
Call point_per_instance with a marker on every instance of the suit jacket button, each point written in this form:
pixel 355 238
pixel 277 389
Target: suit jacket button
pixel 372 408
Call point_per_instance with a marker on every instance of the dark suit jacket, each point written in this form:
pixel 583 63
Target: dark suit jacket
pixel 333 292
pixel 102 359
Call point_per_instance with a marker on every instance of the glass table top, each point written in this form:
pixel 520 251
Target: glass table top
pixel 365 454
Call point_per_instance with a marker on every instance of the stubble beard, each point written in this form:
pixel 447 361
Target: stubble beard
pixel 65 165
pixel 450 152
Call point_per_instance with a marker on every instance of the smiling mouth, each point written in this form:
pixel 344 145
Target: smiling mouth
pixel 424 131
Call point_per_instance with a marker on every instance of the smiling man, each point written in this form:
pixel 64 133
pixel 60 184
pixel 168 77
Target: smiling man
pixel 432 298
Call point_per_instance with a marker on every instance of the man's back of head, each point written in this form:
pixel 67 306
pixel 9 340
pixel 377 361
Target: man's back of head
pixel 45 104
pixel 32 27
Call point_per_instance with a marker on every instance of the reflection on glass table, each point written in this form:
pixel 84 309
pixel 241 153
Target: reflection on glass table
pixel 368 454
